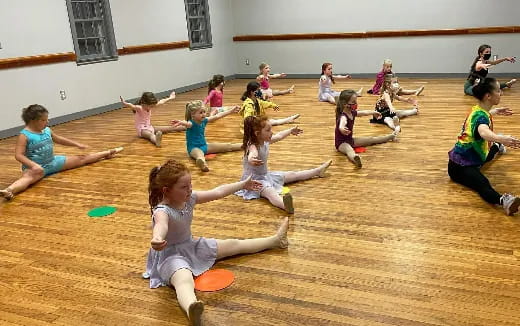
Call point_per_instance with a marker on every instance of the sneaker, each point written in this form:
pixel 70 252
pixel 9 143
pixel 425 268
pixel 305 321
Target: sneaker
pixel 510 204
pixel 501 148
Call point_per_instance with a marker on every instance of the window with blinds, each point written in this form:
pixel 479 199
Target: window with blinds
pixel 92 30
pixel 199 29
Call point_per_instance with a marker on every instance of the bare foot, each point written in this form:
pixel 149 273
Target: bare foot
pixel 202 165
pixel 360 92
pixel 510 83
pixel 7 194
pixel 281 234
pixel 419 91
pixel 195 313
pixel 158 138
pixel 113 152
pixel 291 89
pixel 357 162
pixel 394 136
pixel 288 203
pixel 324 168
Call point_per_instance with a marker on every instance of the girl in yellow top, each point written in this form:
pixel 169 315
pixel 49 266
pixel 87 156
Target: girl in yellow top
pixel 253 105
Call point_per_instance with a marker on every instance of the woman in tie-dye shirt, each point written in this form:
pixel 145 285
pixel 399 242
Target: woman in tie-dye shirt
pixel 478 144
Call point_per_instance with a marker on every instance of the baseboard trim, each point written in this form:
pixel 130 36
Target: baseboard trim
pixel 373 75
pixel 105 108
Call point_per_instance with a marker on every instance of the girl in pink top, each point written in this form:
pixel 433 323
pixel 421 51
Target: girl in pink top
pixel 380 78
pixel 143 113
pixel 263 79
pixel 216 95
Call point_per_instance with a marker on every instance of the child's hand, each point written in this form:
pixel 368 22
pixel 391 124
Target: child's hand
pixel 176 123
pixel 158 244
pixel 510 141
pixel 36 169
pixel 236 109
pixel 252 185
pixel 296 131
pixel 81 146
pixel 377 115
pixel 348 76
pixel 345 131
pixel 172 95
pixel 283 74
pixel 255 161
pixel 276 108
pixel 503 111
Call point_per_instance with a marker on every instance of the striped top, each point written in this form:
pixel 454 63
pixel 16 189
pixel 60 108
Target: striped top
pixel 471 149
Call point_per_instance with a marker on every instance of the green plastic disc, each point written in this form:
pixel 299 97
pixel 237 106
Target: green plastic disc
pixel 101 211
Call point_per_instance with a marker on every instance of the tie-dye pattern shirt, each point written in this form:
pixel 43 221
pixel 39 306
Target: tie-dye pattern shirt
pixel 471 149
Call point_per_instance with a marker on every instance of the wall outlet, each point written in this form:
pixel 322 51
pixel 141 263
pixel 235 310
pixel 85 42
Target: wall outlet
pixel 63 95
pixel 495 57
pixel 247 62
pixel 0 45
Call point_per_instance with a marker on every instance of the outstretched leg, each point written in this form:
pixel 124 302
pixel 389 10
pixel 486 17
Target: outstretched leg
pixel 223 147
pixel 76 161
pixel 407 113
pixel 198 155
pixel 182 281
pixel 232 247
pixel 294 176
pixel 346 149
pixel 276 200
pixel 277 122
pixel 368 141
pixel 286 91
pixel 28 178
pixel 393 123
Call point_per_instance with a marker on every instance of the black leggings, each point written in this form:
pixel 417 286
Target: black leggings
pixel 471 177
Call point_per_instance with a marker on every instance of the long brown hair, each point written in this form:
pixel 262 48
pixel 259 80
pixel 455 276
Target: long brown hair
pixel 387 85
pixel 323 67
pixel 148 98
pixel 214 82
pixel 252 86
pixel 343 99
pixel 165 175
pixel 252 124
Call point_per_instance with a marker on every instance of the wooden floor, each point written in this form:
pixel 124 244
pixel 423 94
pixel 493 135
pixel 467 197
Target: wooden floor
pixel 395 243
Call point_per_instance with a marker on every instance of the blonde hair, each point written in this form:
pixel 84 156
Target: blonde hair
pixel 192 107
pixel 262 66
pixel 387 62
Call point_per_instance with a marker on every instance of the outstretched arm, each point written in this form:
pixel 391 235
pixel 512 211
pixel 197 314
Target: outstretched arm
pixel 178 123
pixel 160 230
pixel 410 100
pixel 489 135
pixel 388 101
pixel 285 133
pixel 130 105
pixel 363 113
pixel 281 75
pixel 67 142
pixel 223 114
pixel 510 59
pixel 165 100
pixel 342 76
pixel 501 111
pixel 226 190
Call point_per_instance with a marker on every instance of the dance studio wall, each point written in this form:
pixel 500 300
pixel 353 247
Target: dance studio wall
pixel 426 54
pixel 35 27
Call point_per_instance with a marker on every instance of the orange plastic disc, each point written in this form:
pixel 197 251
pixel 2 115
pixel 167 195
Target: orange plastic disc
pixel 360 149
pixel 214 280
pixel 210 156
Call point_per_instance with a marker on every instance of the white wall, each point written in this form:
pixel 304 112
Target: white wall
pixel 29 32
pixel 437 54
